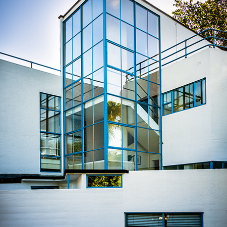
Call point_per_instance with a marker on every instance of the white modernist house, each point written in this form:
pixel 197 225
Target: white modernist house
pixel 130 132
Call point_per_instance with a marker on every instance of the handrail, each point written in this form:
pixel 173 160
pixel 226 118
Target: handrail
pixel 212 41
pixel 32 62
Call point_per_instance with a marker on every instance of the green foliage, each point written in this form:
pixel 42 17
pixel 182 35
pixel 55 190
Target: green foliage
pixel 114 111
pixel 200 16
pixel 104 181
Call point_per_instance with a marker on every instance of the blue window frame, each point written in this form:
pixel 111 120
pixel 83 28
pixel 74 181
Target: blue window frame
pixel 112 87
pixel 104 181
pixel 50 132
pixel 185 97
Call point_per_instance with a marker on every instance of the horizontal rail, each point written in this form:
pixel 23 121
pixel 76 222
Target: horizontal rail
pixel 32 62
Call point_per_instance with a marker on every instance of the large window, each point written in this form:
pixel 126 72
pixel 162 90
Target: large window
pixel 184 97
pixel 112 86
pixel 164 219
pixel 50 132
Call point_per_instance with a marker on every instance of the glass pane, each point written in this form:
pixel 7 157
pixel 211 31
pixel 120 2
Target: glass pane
pixel 69 162
pixel 189 166
pixel 189 96
pixel 68 28
pixel 76 46
pixel 127 11
pixel 152 47
pixel 77 117
pixel 68 75
pixel 129 160
pixel 88 138
pixel 43 100
pixel 50 121
pixel 68 121
pixel 50 144
pixel 142 115
pixel 128 86
pixel 57 103
pixel 167 97
pixel 143 161
pixel 87 13
pixel 128 137
pixel 154 117
pixel 114 108
pixel 114 135
pixel 99 159
pixel 127 36
pixel 152 24
pixel 69 144
pixel 98 109
pixel 88 113
pixel 178 100
pixel 99 135
pixel 68 97
pixel 141 42
pixel 97 7
pixel 153 94
pixel 141 18
pixel 113 7
pixel 198 93
pixel 114 55
pixel 113 81
pixel 49 163
pixel 87 62
pixel 141 66
pixel 167 109
pixel 97 29
pixel 203 91
pixel 87 88
pixel 154 139
pixel 113 29
pixel 104 181
pixel 142 139
pixel 128 111
pixel 98 82
pixel 98 56
pixel 127 61
pixel 114 159
pixel 142 90
pixel 87 37
pixel 88 160
pixel 77 93
pixel 68 52
pixel 77 69
pixel 77 161
pixel 155 162
pixel 76 22
pixel 43 122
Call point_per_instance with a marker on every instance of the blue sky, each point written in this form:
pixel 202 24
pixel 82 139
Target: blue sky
pixel 30 28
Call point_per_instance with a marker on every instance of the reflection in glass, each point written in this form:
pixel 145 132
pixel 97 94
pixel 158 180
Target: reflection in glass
pixel 76 22
pixel 68 75
pixel 87 62
pixel 141 18
pixel 97 7
pixel 68 121
pixel 152 47
pixel 87 37
pixel 114 55
pixel 113 7
pixel 127 61
pixel 154 162
pixel 88 138
pixel 154 140
pixel 142 90
pixel 127 11
pixel 97 29
pixel 142 139
pixel 128 112
pixel 178 101
pixel 77 70
pixel 99 135
pixel 113 81
pixel 50 121
pixel 152 24
pixel 76 93
pixel 114 135
pixel 114 159
pixel 98 104
pixel 129 160
pixel 88 113
pixel 76 46
pixel 98 56
pixel 50 144
pixel 69 143
pixel 88 160
pixel 87 88
pixel 143 161
pixel 127 35
pixel 68 52
pixel 99 159
pixel 128 137
pixel 98 82
pixel 69 162
pixel 76 117
pixel 114 109
pixel 141 66
pixel 189 96
pixel 68 28
pixel 128 86
pixel 113 29
pixel 141 42
pixel 87 13
pixel 50 164
pixel 77 161
pixel 68 97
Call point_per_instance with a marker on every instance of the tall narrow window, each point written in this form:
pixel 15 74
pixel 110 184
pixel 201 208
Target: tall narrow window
pixel 50 133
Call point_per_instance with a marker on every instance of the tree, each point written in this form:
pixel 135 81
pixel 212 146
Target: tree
pixel 200 16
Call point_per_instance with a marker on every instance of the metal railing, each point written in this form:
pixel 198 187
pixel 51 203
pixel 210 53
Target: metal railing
pixel 209 37
pixel 31 62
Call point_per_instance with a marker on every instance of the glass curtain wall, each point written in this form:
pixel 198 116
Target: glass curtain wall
pixel 111 87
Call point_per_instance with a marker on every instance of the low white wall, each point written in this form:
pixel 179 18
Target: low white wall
pixel 20 87
pixel 198 134
pixel 144 191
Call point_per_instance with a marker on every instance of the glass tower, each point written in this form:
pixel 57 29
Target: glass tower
pixel 112 87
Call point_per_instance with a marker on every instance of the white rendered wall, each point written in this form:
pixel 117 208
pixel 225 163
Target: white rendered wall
pixel 20 89
pixel 144 191
pixel 198 134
